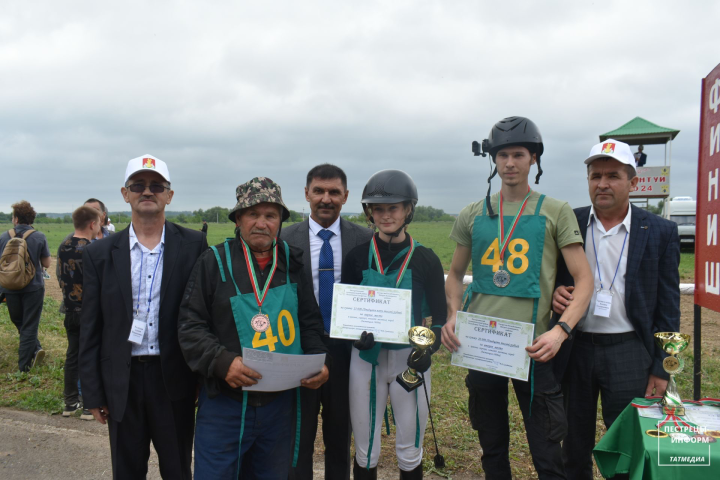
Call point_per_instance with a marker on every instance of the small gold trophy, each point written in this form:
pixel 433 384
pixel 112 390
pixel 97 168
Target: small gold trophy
pixel 672 343
pixel 421 338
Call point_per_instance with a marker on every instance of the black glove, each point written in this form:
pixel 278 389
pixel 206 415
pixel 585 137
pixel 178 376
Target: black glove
pixel 419 364
pixel 366 342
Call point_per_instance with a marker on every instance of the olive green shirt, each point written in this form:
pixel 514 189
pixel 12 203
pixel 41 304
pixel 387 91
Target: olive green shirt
pixel 561 230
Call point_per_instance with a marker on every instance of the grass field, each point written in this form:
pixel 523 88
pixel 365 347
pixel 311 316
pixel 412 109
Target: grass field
pixel 433 235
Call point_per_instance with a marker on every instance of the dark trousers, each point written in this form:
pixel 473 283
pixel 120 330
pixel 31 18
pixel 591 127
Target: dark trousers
pixel 151 416
pixel 25 310
pixel 545 426
pixel 618 372
pixel 72 329
pixel 265 451
pixel 333 396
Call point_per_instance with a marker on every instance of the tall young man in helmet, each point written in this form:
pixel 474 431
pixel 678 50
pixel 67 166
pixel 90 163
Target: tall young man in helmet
pixel 392 259
pixel 514 268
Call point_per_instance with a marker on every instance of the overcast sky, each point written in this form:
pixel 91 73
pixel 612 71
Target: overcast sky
pixel 224 91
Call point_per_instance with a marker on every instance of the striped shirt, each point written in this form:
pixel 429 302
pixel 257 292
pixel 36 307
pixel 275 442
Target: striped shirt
pixel 144 265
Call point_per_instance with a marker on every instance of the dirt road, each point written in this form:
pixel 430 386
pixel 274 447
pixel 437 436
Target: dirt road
pixel 39 446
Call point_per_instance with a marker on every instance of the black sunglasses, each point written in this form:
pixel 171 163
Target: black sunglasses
pixel 140 188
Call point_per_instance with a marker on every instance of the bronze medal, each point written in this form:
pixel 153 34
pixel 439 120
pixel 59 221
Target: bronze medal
pixel 501 278
pixel 260 322
pixel 712 433
pixel 701 438
pixel 655 433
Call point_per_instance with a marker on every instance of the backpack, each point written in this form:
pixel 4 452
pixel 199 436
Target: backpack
pixel 16 267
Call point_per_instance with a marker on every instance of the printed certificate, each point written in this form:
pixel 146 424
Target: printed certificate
pixel 280 371
pixel 493 345
pixel 383 311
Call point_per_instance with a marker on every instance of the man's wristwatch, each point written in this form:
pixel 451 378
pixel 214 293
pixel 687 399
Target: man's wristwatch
pixel 566 328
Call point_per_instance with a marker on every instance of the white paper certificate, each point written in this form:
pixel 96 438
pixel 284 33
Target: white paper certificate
pixel 280 371
pixel 493 345
pixel 383 311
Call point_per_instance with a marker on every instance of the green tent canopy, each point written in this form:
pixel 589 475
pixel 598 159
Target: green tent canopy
pixel 639 131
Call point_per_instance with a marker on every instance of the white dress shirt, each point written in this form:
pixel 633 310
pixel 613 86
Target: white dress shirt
pixel 316 244
pixel 142 279
pixel 608 244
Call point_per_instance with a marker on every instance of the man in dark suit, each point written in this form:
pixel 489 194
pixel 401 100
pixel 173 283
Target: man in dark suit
pixel 325 239
pixel 640 157
pixel 635 257
pixel 132 370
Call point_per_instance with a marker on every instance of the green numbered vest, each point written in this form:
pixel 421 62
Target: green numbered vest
pixel 283 334
pixel 523 259
pixel 374 278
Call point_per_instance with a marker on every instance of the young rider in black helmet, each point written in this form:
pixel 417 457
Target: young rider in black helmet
pixel 392 259
pixel 514 268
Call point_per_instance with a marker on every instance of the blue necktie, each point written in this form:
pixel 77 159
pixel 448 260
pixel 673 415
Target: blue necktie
pixel 326 277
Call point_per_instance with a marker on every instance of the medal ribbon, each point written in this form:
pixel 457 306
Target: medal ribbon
pixel 403 267
pixel 251 270
pixel 501 225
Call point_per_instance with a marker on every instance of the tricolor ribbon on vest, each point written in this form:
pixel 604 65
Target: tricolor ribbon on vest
pixel 503 242
pixel 403 267
pixel 259 297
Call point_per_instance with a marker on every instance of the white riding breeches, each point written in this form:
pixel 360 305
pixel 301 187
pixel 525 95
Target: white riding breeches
pixel 410 409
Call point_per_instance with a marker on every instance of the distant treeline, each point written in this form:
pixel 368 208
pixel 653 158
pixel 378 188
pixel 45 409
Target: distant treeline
pixel 220 214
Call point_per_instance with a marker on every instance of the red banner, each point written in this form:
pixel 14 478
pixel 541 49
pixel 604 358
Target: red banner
pixel 707 250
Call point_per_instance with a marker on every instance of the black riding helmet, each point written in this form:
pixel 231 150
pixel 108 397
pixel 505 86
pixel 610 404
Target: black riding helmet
pixel 390 186
pixel 508 132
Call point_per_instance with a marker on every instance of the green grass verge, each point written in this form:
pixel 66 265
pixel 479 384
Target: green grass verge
pixel 41 389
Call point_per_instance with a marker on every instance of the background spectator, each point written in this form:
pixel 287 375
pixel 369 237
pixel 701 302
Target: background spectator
pixel 25 305
pixel 87 222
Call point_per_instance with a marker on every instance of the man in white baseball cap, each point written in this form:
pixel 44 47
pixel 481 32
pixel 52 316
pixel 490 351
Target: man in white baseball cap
pixel 147 163
pixel 634 256
pixel 133 374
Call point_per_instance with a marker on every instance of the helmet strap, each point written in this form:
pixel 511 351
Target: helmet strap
pixel 540 172
pixel 487 196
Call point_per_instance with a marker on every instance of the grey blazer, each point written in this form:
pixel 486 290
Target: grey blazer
pixel 351 235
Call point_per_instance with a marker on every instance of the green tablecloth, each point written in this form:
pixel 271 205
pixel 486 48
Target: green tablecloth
pixel 626 448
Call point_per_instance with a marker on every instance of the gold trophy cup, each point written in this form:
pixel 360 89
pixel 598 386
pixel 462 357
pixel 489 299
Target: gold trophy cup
pixel 421 338
pixel 672 343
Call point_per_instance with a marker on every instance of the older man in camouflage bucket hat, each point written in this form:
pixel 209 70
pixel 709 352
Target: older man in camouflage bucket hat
pixel 248 292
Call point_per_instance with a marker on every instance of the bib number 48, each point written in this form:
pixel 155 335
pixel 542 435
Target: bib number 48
pixel 270 340
pixel 517 261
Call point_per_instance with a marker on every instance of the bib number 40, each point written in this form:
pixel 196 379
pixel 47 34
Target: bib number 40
pixel 270 340
pixel 517 261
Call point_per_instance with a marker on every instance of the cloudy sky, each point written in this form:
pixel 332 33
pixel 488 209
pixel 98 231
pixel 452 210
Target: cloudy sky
pixel 224 91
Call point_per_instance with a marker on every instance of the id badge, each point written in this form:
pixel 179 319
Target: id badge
pixel 603 303
pixel 137 331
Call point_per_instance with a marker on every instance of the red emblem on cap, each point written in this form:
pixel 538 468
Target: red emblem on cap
pixel 608 148
pixel 148 163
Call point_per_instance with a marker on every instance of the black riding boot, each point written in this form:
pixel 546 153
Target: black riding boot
pixel 361 473
pixel 415 474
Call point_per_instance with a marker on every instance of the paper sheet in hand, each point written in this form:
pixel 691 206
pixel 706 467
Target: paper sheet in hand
pixel 493 345
pixel 383 311
pixel 280 371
